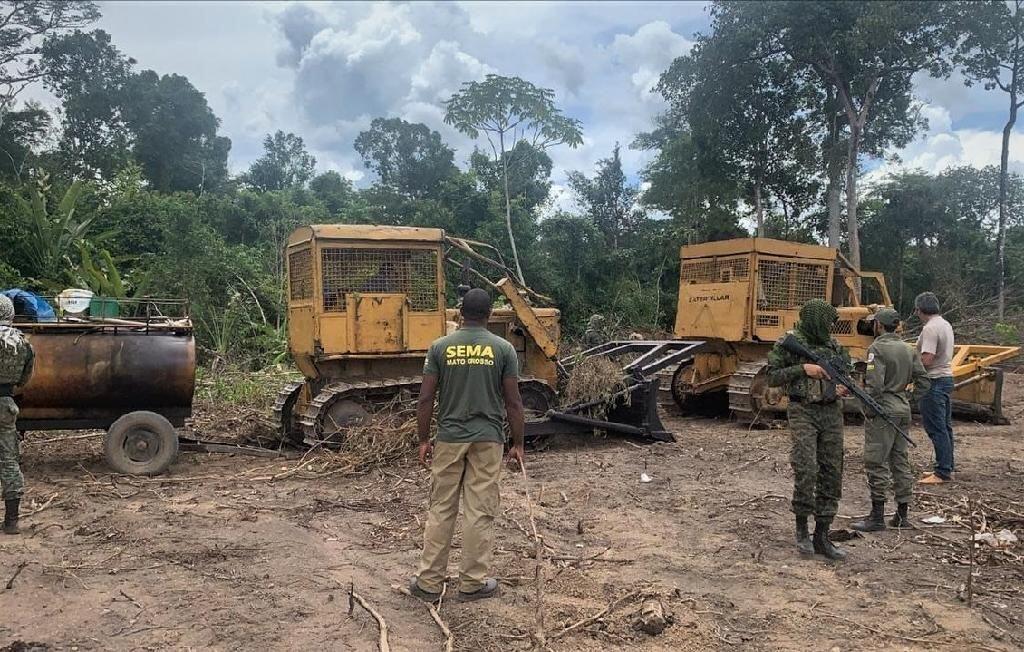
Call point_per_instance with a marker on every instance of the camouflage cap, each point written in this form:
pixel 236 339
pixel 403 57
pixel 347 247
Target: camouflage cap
pixel 886 317
pixel 6 309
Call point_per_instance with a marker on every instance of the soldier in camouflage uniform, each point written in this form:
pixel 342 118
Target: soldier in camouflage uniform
pixel 892 365
pixel 594 335
pixel 16 359
pixel 816 425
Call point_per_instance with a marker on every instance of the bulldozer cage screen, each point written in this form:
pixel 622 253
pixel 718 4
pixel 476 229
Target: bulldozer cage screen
pixel 374 271
pixel 787 285
pixel 716 270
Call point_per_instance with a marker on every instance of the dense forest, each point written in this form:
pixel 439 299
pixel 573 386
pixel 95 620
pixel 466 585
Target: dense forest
pixel 773 123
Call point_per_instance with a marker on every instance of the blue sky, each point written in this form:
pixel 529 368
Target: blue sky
pixel 324 70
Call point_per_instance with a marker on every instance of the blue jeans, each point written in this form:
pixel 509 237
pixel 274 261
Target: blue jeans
pixel 937 417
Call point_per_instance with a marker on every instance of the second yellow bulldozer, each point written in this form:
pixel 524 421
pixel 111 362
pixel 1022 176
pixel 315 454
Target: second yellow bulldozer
pixel 739 296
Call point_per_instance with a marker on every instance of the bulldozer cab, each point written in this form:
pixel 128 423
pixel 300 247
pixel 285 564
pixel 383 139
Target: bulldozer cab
pixel 358 291
pixel 752 289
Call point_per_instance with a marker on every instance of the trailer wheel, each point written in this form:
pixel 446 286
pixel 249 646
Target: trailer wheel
pixel 141 443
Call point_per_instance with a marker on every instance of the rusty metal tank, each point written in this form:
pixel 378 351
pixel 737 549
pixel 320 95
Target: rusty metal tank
pixel 90 371
pixel 88 378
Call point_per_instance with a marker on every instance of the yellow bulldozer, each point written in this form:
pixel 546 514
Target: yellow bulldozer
pixel 739 296
pixel 364 304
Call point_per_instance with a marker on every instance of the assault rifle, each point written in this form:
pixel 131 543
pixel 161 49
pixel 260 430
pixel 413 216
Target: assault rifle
pixel 793 345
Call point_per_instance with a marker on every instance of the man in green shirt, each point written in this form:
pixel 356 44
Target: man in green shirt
pixel 892 366
pixel 475 375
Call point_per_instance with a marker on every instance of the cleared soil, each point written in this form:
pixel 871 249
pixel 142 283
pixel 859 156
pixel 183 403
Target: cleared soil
pixel 217 555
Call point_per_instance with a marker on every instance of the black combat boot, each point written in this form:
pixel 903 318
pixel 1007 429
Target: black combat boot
pixel 11 515
pixel 901 519
pixel 875 521
pixel 822 545
pixel 803 537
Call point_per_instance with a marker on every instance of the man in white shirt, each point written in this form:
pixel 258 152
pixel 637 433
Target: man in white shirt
pixel 936 347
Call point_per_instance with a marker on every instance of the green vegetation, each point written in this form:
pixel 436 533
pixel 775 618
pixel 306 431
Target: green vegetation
pixel 771 119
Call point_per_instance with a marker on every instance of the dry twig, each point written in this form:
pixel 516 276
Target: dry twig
pixel 382 624
pixel 539 636
pixel 44 505
pixel 970 571
pixel 10 582
pixel 449 640
pixel 599 615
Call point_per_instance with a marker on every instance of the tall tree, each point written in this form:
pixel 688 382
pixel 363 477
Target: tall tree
pixel 408 158
pixel 704 204
pixel 748 114
pixel 925 231
pixel 508 110
pixel 990 35
pixel 867 52
pixel 175 133
pixel 285 163
pixel 335 191
pixel 21 133
pixel 89 75
pixel 609 200
pixel 529 174
pixel 23 26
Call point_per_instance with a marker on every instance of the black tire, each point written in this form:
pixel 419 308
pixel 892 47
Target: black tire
pixel 141 443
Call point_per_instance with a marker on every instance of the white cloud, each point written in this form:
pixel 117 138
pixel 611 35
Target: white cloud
pixel 648 52
pixel 944 146
pixel 443 71
pixel 324 70
pixel 568 63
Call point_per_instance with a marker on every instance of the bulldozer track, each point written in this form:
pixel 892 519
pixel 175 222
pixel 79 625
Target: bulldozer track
pixel 286 402
pixel 310 422
pixel 741 402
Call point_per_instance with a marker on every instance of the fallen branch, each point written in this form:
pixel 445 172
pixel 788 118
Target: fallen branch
pixel 382 624
pixel 577 561
pixel 970 570
pixel 739 468
pixel 54 440
pixel 10 582
pixel 303 463
pixel 449 640
pixel 629 597
pixel 44 506
pixel 539 636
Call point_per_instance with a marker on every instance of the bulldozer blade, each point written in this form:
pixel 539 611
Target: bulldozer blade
pixel 641 411
pixel 636 417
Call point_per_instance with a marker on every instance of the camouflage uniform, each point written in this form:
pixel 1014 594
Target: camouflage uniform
pixel 815 419
pixel 16 358
pixel 594 335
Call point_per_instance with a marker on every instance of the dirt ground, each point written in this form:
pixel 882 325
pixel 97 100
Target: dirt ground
pixel 217 555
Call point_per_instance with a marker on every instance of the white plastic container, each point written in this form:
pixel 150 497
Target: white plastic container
pixel 74 300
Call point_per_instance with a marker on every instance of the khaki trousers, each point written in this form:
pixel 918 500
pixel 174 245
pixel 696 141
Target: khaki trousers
pixel 473 472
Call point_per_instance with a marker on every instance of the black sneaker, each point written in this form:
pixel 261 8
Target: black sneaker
pixel 426 596
pixel 488 590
